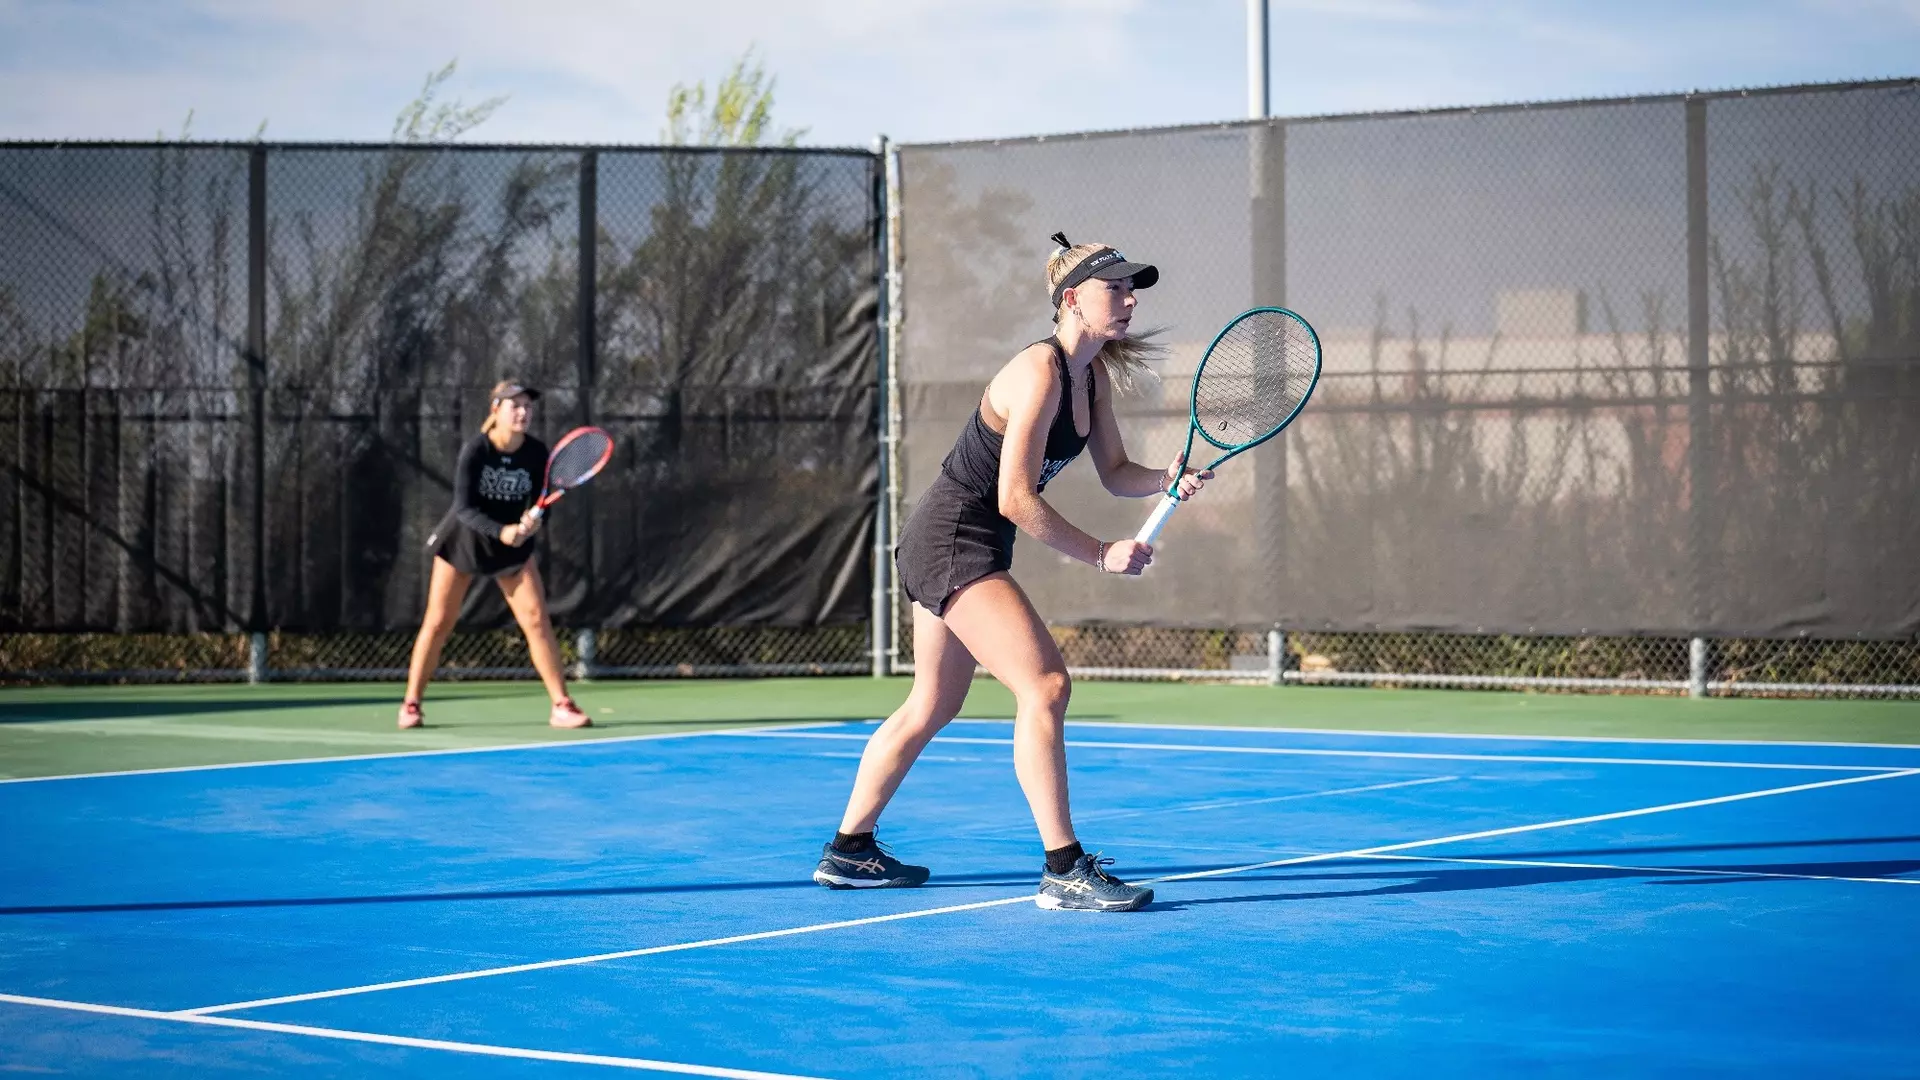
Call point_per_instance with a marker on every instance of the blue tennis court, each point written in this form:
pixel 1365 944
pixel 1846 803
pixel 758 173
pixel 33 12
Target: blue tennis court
pixel 1378 904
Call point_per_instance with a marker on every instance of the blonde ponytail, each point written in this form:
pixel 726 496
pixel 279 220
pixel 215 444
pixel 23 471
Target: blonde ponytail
pixel 1126 360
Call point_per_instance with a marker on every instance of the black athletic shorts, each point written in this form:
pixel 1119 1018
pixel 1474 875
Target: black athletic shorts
pixel 952 538
pixel 471 553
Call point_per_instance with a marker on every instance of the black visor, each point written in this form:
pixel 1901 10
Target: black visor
pixel 1107 265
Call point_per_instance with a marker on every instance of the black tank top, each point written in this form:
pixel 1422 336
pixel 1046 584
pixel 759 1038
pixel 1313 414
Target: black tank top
pixel 974 461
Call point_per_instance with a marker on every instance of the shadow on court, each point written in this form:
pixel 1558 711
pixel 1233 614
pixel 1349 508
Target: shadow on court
pixel 1461 879
pixel 1405 878
pixel 955 881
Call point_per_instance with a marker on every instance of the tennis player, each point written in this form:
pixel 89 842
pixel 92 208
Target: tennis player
pixel 489 533
pixel 1043 408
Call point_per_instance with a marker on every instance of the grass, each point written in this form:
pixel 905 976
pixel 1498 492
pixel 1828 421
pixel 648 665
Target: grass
pixel 48 731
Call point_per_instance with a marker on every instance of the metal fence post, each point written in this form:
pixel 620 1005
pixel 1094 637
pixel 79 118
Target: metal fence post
pixel 1699 374
pixel 1267 199
pixel 585 299
pixel 587 644
pixel 880 624
pixel 1276 656
pixel 256 366
pixel 257 670
pixel 891 434
pixel 1697 668
pixel 586 316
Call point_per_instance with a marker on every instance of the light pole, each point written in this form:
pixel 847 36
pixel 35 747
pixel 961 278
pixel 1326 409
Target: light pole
pixel 1266 194
pixel 1259 105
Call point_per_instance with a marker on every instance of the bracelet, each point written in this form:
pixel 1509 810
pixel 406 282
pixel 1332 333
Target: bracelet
pixel 1100 557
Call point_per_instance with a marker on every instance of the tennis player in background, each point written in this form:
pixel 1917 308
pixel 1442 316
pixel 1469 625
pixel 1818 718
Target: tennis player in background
pixel 1050 402
pixel 489 533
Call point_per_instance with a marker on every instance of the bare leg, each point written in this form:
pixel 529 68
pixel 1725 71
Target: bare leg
pixel 527 595
pixel 996 622
pixel 445 589
pixel 942 674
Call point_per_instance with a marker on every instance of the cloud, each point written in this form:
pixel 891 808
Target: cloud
pixel 1380 11
pixel 1900 9
pixel 310 65
pixel 598 70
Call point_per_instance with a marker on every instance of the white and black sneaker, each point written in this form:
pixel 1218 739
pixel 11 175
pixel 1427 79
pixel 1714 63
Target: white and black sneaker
pixel 874 868
pixel 1087 887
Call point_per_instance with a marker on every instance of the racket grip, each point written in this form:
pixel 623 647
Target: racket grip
pixel 1151 530
pixel 537 512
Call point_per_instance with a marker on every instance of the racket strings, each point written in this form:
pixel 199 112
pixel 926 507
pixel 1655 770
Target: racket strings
pixel 1254 378
pixel 577 459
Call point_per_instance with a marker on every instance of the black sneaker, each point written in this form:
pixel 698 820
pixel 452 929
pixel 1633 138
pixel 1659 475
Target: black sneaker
pixel 1086 887
pixel 874 868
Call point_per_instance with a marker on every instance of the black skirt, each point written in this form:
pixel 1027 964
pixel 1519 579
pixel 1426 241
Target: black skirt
pixel 952 538
pixel 471 553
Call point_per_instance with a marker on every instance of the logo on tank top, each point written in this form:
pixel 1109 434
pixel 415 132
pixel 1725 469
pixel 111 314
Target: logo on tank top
pixel 1050 468
pixel 504 485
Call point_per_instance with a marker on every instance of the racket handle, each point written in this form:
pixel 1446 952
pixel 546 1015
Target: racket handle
pixel 1151 530
pixel 539 508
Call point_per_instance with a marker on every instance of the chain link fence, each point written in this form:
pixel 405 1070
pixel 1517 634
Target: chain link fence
pixel 1617 394
pixel 234 381
pixel 1749 667
pixel 1753 667
pixel 673 652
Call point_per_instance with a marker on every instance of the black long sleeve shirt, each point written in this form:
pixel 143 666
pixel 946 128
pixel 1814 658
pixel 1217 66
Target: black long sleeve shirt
pixel 492 488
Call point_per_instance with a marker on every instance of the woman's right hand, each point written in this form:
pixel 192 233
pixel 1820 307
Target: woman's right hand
pixel 1126 557
pixel 513 535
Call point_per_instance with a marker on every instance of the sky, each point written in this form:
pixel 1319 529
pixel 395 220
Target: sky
pixel 917 70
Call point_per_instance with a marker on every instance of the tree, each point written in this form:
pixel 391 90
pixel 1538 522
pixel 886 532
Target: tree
pixel 741 114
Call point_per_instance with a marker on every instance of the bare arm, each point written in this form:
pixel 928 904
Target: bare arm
pixel 1027 391
pixel 1118 474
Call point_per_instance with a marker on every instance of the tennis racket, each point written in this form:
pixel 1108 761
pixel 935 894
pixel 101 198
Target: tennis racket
pixel 577 458
pixel 1251 383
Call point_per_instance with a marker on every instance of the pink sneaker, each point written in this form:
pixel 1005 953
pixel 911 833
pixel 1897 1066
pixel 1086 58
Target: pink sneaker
pixel 568 715
pixel 410 715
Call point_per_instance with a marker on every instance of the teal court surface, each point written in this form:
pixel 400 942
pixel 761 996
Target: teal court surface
pixel 1360 902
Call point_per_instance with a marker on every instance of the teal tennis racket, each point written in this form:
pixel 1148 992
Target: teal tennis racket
pixel 1251 383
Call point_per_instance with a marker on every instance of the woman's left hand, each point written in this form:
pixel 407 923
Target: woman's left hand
pixel 1191 480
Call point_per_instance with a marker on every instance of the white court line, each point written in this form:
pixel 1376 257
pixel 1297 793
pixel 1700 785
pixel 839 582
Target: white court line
pixel 142 727
pixel 1453 734
pixel 1561 824
pixel 1027 897
pixel 801 725
pixel 385 754
pixel 597 958
pixel 485 1049
pixel 1649 869
pixel 1300 751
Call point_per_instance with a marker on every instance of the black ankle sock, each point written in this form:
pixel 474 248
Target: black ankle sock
pixel 1061 860
pixel 852 843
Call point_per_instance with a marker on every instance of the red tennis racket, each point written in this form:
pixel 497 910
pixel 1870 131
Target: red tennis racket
pixel 577 458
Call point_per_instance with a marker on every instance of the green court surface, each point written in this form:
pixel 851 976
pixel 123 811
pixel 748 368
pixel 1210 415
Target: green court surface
pixel 46 731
